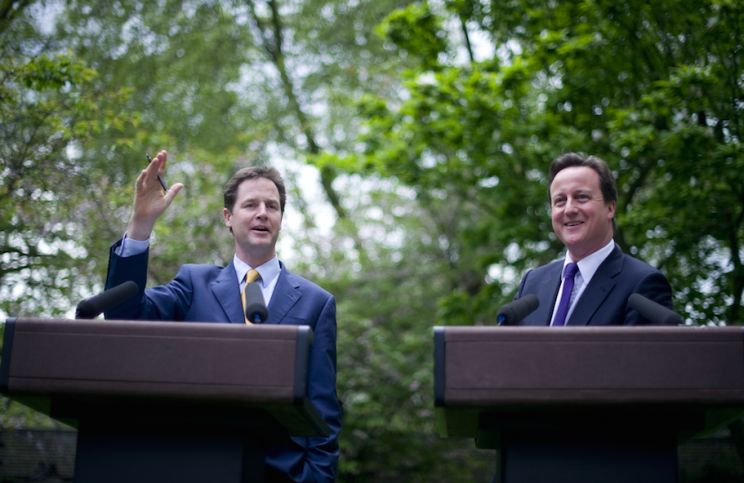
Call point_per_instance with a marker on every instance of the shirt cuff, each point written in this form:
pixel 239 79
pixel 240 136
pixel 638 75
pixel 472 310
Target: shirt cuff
pixel 130 248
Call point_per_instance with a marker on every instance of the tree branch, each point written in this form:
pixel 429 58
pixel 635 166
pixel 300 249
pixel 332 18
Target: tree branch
pixel 275 51
pixel 467 39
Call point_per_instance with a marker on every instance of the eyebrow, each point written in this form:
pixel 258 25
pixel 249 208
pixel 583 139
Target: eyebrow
pixel 254 199
pixel 577 190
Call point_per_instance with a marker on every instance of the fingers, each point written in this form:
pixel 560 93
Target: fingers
pixel 149 200
pixel 141 178
pixel 162 158
pixel 173 192
pixel 148 179
pixel 148 182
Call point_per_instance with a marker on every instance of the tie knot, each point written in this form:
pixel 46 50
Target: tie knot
pixel 571 270
pixel 251 276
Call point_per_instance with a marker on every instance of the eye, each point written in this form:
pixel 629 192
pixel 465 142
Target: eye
pixel 558 200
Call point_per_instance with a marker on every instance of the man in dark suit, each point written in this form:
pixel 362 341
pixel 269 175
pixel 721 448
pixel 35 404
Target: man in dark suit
pixel 254 208
pixel 592 285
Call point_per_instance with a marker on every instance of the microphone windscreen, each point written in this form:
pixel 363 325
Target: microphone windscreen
pixel 255 307
pixel 513 312
pixel 105 301
pixel 653 311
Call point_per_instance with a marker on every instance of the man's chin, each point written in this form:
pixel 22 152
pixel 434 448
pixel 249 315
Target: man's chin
pixel 260 238
pixel 572 240
pixel 576 247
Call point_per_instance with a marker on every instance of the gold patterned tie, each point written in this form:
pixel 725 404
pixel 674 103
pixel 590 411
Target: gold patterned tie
pixel 250 277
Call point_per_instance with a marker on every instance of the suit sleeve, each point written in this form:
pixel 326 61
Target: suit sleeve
pixel 654 286
pixel 323 452
pixel 167 302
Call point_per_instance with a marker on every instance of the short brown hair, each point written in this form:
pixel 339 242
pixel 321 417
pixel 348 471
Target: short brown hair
pixel 253 172
pixel 606 180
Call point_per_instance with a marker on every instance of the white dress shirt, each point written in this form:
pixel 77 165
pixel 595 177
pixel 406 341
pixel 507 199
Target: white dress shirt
pixel 269 272
pixel 587 268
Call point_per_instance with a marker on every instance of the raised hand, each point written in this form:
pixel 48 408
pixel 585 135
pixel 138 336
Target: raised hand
pixel 149 200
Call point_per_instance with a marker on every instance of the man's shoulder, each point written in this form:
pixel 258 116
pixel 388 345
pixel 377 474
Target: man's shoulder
pixel 636 266
pixel 535 276
pixel 202 268
pixel 548 268
pixel 202 271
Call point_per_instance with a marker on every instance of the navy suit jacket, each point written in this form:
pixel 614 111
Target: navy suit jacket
pixel 208 293
pixel 605 299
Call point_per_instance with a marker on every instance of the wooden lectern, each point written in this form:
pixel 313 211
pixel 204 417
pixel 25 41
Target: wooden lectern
pixel 164 401
pixel 574 404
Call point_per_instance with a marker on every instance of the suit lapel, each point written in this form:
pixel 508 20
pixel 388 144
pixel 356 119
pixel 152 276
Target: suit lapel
pixel 548 293
pixel 598 289
pixel 227 292
pixel 286 294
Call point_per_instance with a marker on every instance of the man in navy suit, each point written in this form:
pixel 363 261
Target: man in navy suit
pixel 254 208
pixel 583 198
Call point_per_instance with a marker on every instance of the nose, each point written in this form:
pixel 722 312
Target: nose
pixel 261 211
pixel 571 205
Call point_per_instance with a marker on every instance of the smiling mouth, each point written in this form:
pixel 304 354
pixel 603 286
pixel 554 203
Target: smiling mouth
pixel 575 223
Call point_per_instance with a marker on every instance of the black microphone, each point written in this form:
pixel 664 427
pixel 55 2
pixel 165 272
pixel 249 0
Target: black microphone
pixel 653 311
pixel 513 312
pixel 255 307
pixel 105 301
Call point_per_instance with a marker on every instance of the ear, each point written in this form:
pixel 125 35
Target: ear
pixel 228 217
pixel 611 206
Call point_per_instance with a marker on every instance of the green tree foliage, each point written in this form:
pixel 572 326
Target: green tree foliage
pixel 48 110
pixel 432 162
pixel 387 293
pixel 655 90
pixel 222 85
pixel 181 62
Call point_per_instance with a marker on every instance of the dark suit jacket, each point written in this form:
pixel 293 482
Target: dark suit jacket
pixel 208 293
pixel 605 299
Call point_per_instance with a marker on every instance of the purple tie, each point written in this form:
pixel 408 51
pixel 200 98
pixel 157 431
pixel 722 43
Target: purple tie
pixel 568 284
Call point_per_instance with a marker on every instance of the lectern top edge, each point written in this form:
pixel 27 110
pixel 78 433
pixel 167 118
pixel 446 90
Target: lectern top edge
pixel 159 328
pixel 573 333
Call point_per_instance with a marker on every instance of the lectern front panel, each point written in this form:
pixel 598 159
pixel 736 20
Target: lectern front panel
pixel 480 369
pixel 220 365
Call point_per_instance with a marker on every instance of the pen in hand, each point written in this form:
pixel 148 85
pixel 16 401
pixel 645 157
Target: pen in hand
pixel 160 178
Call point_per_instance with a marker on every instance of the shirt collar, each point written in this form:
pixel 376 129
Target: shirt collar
pixel 588 265
pixel 268 271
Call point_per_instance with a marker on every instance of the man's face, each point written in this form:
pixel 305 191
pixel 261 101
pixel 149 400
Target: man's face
pixel 581 219
pixel 256 220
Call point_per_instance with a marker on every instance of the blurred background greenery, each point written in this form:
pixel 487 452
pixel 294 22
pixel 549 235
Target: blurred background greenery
pixel 414 138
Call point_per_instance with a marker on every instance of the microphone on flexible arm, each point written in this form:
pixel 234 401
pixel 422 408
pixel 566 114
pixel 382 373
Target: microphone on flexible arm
pixel 513 312
pixel 654 311
pixel 255 307
pixel 105 301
